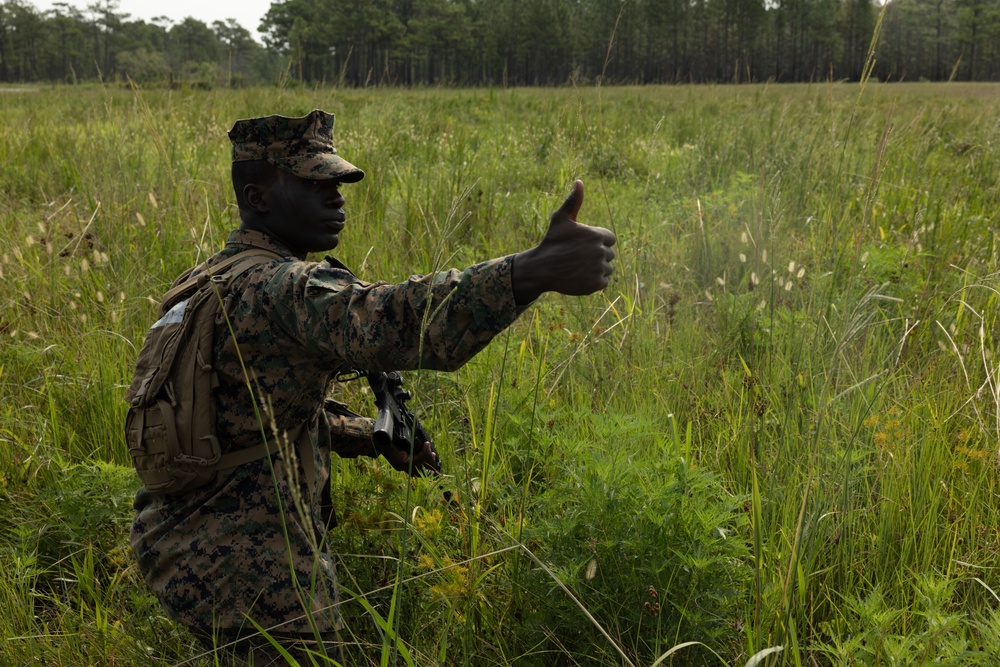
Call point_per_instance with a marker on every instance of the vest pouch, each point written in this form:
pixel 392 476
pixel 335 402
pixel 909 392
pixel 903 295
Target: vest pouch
pixel 152 440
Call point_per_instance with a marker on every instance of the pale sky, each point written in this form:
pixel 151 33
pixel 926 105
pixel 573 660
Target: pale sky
pixel 247 13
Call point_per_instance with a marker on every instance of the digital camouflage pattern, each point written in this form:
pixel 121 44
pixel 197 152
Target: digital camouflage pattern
pixel 302 146
pixel 228 551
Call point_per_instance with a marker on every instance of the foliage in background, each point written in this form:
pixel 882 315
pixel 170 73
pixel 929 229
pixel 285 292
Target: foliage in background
pixel 782 417
pixel 364 43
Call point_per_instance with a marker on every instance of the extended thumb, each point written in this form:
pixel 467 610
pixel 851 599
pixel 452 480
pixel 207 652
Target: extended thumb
pixel 571 207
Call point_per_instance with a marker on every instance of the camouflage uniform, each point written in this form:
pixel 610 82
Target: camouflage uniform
pixel 254 543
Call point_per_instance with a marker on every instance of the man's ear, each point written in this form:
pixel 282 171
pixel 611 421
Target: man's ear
pixel 257 197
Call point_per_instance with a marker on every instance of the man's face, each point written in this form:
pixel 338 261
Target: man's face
pixel 304 214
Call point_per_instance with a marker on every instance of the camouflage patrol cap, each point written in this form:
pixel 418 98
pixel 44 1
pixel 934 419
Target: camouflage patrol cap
pixel 302 146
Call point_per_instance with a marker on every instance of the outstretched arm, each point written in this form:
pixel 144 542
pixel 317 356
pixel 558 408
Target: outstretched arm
pixel 572 258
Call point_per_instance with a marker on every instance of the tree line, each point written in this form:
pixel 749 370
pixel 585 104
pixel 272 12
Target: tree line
pixel 510 42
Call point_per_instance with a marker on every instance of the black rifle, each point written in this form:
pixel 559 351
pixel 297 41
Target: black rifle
pixel 395 425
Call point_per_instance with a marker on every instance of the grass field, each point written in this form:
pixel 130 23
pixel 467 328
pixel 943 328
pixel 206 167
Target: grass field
pixel 779 427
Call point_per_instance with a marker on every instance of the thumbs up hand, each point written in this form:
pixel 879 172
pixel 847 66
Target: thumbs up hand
pixel 571 259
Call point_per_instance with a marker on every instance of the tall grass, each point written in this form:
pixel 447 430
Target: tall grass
pixel 778 426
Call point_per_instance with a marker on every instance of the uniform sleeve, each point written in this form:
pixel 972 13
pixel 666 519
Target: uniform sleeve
pixel 352 436
pixel 437 321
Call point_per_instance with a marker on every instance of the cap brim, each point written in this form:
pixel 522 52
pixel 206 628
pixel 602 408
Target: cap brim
pixel 320 167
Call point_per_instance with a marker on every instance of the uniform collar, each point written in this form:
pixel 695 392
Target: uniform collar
pixel 249 238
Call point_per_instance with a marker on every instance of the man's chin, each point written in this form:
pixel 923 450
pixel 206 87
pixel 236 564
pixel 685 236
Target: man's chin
pixel 326 243
pixel 329 243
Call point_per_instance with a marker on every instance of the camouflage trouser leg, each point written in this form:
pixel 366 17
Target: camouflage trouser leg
pixel 254 650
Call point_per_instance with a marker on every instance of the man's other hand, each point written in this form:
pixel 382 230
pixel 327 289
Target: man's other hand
pixel 425 459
